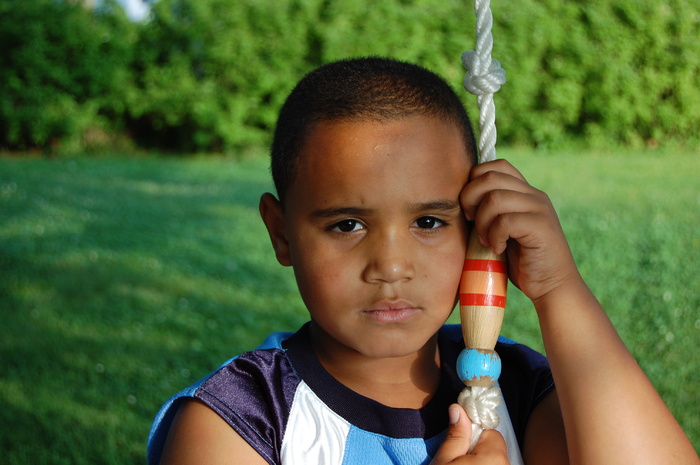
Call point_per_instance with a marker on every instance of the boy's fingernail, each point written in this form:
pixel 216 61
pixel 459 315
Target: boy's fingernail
pixel 483 241
pixel 454 415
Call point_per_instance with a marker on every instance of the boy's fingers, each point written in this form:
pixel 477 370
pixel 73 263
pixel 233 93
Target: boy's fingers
pixel 496 208
pixel 491 449
pixel 459 435
pixel 500 165
pixel 489 177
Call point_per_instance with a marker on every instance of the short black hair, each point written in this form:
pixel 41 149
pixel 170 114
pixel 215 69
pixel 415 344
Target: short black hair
pixel 360 89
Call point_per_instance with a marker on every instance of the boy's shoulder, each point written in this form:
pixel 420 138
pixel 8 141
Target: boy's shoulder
pixel 239 391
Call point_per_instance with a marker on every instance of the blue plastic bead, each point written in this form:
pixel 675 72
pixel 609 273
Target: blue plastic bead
pixel 478 367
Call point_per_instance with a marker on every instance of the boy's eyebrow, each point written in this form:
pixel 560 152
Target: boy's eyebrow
pixel 436 205
pixel 334 212
pixel 431 206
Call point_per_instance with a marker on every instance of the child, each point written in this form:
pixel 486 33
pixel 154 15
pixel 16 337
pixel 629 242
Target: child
pixel 374 163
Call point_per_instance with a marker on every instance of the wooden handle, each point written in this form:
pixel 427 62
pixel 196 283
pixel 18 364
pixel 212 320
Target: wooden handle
pixel 482 295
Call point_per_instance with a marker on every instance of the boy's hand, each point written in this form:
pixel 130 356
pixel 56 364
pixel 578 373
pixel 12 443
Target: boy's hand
pixel 491 448
pixel 507 210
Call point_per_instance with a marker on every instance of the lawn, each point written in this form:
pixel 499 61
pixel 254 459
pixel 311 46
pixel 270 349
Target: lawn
pixel 124 280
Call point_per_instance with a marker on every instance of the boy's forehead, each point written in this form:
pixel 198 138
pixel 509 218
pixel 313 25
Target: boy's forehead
pixel 353 150
pixel 346 131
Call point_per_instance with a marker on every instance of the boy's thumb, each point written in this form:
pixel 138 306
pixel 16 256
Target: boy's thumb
pixel 459 435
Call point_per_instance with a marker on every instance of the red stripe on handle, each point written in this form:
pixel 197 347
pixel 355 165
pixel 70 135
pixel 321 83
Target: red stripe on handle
pixel 476 264
pixel 482 300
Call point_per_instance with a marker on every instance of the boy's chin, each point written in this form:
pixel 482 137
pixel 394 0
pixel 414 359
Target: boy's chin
pixel 394 344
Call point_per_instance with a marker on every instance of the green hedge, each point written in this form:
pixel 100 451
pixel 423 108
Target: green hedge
pixel 63 72
pixel 210 75
pixel 621 72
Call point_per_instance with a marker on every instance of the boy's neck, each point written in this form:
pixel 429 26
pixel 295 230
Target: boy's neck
pixel 400 382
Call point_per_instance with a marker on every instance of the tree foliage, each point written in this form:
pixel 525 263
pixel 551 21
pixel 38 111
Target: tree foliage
pixel 62 71
pixel 210 75
pixel 620 72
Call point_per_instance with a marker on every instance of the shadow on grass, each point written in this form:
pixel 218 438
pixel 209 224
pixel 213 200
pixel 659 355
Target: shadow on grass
pixel 123 282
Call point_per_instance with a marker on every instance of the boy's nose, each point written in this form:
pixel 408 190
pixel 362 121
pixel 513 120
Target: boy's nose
pixel 389 261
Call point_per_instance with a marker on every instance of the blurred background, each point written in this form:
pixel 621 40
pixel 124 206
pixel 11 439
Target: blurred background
pixel 210 75
pixel 133 146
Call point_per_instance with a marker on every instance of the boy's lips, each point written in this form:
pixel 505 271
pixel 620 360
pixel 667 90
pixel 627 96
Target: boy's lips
pixel 396 311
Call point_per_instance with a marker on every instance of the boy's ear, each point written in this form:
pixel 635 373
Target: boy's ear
pixel 273 217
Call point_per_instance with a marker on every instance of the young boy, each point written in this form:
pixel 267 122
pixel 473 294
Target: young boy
pixel 374 163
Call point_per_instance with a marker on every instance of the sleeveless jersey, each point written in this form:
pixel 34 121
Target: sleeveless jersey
pixel 282 401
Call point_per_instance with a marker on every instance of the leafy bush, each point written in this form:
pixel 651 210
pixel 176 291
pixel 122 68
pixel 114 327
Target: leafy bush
pixel 623 72
pixel 598 73
pixel 210 75
pixel 213 75
pixel 61 70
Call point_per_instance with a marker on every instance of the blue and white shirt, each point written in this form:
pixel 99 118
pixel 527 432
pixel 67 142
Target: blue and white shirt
pixel 282 401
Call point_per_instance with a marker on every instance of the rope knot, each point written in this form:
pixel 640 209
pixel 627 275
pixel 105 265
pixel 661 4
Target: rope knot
pixel 480 404
pixel 482 77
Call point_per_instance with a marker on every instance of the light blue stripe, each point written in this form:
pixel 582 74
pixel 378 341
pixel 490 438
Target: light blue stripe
pixel 363 447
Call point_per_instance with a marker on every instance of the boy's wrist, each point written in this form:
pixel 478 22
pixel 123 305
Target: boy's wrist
pixel 564 295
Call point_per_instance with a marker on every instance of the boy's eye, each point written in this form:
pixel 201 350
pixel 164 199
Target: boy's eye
pixel 429 222
pixel 347 226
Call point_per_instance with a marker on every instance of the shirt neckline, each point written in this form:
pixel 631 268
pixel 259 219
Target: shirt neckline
pixel 368 414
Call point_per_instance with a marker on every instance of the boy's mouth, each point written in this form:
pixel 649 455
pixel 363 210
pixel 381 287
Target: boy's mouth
pixel 396 311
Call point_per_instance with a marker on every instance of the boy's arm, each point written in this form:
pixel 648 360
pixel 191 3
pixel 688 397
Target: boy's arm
pixel 611 412
pixel 198 435
pixel 545 438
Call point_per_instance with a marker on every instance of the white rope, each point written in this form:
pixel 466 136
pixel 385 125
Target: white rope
pixel 480 404
pixel 484 77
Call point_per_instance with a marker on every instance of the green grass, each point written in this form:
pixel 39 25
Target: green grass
pixel 124 280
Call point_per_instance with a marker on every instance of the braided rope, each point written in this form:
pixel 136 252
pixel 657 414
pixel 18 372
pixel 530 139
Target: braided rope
pixel 480 403
pixel 484 77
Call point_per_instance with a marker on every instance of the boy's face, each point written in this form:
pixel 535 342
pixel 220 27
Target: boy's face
pixel 373 227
